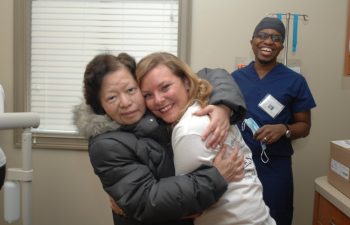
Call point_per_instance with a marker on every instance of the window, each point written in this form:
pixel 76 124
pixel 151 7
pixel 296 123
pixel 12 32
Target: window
pixel 55 39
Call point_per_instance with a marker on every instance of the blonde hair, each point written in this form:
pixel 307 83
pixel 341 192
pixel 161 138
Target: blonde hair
pixel 199 90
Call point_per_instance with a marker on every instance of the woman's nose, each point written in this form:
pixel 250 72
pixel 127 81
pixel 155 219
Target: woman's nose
pixel 158 98
pixel 125 100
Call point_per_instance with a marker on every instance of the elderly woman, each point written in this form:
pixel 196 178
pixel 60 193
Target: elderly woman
pixel 130 149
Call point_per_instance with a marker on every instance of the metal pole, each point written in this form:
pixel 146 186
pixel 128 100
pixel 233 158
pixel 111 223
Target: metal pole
pixel 26 185
pixel 286 41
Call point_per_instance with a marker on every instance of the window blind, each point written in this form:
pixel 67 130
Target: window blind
pixel 66 35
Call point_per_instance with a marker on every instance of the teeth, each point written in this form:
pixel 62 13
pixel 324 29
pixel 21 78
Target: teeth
pixel 266 49
pixel 166 108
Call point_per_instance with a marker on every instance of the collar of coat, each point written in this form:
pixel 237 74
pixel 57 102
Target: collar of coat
pixel 89 123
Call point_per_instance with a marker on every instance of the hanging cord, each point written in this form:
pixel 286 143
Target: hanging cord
pixel 253 126
pixel 295 32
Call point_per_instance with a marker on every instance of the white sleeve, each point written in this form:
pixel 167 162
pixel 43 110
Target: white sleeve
pixel 190 152
pixel 2 158
pixel 2 100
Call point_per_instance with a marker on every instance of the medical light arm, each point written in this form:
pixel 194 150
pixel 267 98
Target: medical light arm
pixel 19 120
pixel 26 121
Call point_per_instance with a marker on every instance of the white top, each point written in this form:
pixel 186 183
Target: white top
pixel 2 158
pixel 242 203
pixel 2 99
pixel 2 102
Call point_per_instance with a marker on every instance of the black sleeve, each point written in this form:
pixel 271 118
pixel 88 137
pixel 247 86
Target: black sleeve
pixel 2 175
pixel 130 180
pixel 225 91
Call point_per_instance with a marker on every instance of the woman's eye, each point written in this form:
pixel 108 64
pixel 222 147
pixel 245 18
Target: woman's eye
pixel 166 87
pixel 147 96
pixel 132 90
pixel 111 98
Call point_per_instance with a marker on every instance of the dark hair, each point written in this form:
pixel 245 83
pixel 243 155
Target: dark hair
pixel 97 69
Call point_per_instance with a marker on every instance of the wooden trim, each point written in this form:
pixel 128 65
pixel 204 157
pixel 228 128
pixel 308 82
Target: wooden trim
pixel 21 66
pixel 62 142
pixel 316 206
pixel 185 27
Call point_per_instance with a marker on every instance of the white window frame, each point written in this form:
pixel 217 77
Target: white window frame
pixel 22 59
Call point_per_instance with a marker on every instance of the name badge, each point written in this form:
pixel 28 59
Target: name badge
pixel 271 105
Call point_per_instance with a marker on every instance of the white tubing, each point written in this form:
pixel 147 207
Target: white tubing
pixel 19 120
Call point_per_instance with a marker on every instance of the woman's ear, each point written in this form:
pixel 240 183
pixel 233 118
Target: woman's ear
pixel 187 84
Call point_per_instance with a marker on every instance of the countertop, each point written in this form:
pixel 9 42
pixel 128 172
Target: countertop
pixel 333 195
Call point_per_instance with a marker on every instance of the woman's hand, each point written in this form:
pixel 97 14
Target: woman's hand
pixel 217 130
pixel 115 208
pixel 231 167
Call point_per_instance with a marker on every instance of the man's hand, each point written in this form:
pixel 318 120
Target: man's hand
pixel 270 133
pixel 217 131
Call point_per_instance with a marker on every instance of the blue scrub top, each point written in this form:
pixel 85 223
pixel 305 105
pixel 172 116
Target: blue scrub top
pixel 285 85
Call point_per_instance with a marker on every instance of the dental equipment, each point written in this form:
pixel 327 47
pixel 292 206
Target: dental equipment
pixel 26 121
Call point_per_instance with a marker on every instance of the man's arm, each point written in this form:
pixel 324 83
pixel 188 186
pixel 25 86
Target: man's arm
pixel 225 91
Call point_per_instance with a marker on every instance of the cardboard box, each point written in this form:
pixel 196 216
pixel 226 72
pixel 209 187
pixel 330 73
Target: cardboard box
pixel 339 166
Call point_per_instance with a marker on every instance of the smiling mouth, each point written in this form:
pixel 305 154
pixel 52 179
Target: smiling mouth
pixel 266 50
pixel 165 109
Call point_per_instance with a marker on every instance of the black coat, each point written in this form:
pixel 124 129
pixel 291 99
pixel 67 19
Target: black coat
pixel 138 173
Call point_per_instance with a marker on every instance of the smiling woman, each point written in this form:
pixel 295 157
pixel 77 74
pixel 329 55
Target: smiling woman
pixel 166 95
pixel 174 93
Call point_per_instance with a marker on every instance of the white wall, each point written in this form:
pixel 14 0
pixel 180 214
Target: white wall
pixel 65 190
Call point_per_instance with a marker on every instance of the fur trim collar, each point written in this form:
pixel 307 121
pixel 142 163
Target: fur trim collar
pixel 90 124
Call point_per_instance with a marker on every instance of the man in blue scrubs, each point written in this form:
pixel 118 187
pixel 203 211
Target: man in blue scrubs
pixel 278 110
